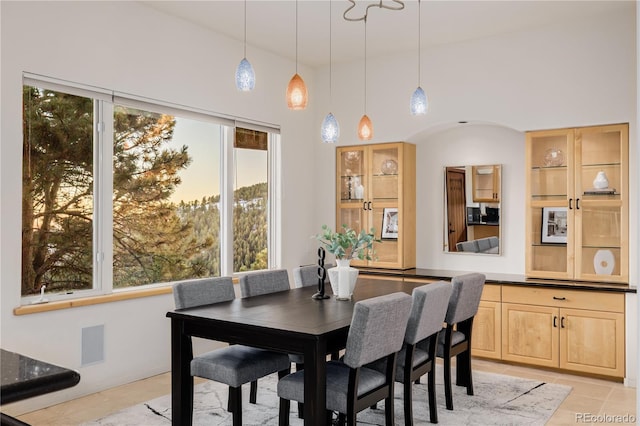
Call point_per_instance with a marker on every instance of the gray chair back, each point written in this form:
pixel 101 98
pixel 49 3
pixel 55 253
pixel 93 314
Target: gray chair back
pixel 428 309
pixel 306 276
pixel 377 328
pixel 465 297
pixel 204 291
pixel 264 282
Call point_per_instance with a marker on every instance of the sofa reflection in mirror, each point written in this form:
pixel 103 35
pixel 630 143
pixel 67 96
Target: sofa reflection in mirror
pixel 472 209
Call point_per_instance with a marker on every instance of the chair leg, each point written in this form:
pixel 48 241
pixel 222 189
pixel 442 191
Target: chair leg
pixel 283 415
pixel 465 362
pixel 448 392
pixel 235 398
pixel 253 394
pixel 408 403
pixel 342 418
pixel 431 388
pixel 389 417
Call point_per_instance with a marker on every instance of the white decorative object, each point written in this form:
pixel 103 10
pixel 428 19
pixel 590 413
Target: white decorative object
pixel 601 181
pixel 343 279
pixel 358 188
pixel 604 262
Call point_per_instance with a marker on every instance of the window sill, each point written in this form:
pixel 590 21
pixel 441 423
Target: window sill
pixel 93 300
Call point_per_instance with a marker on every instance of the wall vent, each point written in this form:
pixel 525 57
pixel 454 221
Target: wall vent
pixel 92 345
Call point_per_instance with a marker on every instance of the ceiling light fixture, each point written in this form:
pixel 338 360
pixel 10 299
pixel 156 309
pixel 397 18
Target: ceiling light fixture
pixel 297 96
pixel 419 103
pixel 245 77
pixel 365 127
pixel 330 129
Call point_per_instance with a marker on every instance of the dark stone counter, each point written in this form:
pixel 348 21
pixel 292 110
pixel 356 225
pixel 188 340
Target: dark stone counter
pixel 24 377
pixel 496 278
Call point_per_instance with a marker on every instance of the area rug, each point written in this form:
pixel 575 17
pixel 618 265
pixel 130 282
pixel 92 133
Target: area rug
pixel 498 400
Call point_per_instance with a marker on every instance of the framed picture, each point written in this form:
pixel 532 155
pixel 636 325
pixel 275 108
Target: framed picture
pixel 390 223
pixel 554 225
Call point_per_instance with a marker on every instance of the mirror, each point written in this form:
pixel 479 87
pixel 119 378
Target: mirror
pixel 472 197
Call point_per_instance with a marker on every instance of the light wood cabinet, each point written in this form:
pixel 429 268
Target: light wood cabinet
pixel 573 330
pixel 486 184
pixel 487 324
pixel 574 228
pixel 376 188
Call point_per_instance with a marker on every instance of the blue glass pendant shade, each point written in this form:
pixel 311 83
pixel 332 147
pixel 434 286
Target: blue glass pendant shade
pixel 419 103
pixel 245 77
pixel 330 130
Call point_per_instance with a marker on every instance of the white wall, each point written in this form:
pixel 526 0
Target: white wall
pixel 572 74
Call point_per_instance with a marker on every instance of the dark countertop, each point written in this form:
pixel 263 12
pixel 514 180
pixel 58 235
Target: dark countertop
pixel 24 377
pixel 496 278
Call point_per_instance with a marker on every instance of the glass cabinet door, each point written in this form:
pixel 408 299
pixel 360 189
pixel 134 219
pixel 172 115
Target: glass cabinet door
pixel 601 203
pixel 550 202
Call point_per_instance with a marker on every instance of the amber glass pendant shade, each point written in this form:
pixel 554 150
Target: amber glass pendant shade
pixel 365 128
pixel 297 97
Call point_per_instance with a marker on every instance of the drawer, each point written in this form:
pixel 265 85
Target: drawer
pixel 491 292
pixel 564 298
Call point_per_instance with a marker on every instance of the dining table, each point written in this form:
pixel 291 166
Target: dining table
pixel 287 321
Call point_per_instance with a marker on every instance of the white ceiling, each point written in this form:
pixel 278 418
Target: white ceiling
pixel 271 24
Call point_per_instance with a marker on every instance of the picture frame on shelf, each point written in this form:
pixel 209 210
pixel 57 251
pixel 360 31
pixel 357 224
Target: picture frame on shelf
pixel 554 225
pixel 390 223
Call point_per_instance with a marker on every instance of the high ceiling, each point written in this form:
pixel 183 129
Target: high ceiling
pixel 271 24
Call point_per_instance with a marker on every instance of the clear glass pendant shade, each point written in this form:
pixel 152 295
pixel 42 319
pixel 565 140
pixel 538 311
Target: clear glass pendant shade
pixel 245 77
pixel 297 97
pixel 330 130
pixel 419 103
pixel 365 128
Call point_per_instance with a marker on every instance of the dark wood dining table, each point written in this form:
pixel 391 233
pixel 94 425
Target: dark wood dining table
pixel 289 321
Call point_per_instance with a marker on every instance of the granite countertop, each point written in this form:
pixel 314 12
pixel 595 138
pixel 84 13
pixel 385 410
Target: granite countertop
pixel 497 278
pixel 24 377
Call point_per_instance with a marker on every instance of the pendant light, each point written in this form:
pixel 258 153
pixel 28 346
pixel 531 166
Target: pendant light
pixel 365 127
pixel 245 77
pixel 330 129
pixel 297 97
pixel 419 103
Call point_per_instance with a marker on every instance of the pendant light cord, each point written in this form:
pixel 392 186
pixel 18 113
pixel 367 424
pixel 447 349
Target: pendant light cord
pixel 419 39
pixel 329 54
pixel 365 64
pixel 245 28
pixel 296 36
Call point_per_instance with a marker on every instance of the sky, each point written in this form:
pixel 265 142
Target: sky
pixel 202 177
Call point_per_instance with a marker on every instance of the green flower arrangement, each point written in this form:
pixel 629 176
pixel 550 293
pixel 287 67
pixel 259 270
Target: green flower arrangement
pixel 348 244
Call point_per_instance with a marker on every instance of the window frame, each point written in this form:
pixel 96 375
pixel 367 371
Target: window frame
pixel 103 143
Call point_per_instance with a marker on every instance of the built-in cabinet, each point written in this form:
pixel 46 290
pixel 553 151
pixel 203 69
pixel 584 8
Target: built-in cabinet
pixel 486 338
pixel 573 330
pixel 578 203
pixel 376 188
pixel 486 184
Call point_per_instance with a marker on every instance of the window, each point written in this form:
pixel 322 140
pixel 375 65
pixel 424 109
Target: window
pixel 141 201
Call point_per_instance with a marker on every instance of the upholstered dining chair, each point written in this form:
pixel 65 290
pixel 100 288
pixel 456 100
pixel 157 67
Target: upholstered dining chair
pixel 232 365
pixel 259 283
pixel 307 276
pixel 425 322
pixel 455 338
pixel 377 330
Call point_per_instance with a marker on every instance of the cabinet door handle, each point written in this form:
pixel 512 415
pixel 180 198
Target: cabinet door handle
pixel 570 201
pixel 555 321
pixel 562 322
pixel 577 203
pixel 369 205
pixel 559 298
pixel 364 205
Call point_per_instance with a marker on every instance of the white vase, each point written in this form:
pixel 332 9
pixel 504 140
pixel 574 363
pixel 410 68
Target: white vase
pixel 601 181
pixel 343 279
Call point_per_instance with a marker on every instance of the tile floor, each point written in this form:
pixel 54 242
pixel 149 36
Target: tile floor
pixel 588 398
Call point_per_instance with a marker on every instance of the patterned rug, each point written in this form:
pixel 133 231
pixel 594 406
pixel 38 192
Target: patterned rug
pixel 498 400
